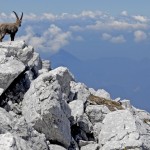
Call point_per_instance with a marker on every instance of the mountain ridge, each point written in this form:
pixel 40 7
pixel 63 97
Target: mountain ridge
pixel 120 76
pixel 47 109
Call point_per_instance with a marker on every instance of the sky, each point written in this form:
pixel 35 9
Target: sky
pixel 68 6
pixel 91 30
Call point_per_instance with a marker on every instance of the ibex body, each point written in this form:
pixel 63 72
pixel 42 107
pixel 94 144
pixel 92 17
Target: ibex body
pixel 10 28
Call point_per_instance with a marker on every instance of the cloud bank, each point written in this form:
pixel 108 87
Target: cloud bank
pixel 51 32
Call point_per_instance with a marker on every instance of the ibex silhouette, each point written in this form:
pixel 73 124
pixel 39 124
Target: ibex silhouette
pixel 10 28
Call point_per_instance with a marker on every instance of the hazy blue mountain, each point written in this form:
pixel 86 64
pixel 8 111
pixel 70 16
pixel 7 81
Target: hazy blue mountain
pixel 121 77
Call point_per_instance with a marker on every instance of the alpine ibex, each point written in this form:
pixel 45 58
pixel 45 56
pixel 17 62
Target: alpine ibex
pixel 10 28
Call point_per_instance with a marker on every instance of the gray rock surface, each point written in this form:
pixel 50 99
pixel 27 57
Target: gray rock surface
pixel 46 109
pixel 44 106
pixel 9 142
pixel 100 93
pixel 79 91
pixel 90 147
pixel 5 121
pixel 9 70
pixel 15 57
pixel 56 147
pixel 119 131
pixel 77 109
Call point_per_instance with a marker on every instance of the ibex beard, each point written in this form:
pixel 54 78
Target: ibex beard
pixel 10 28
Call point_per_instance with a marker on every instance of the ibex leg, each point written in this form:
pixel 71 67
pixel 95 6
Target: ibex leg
pixel 2 36
pixel 12 37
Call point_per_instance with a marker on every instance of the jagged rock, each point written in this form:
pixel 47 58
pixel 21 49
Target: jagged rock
pixel 85 124
pixel 19 65
pixel 79 91
pixel 35 113
pixel 9 70
pixel 10 142
pixel 126 104
pixel 84 143
pixel 56 147
pixel 96 113
pixel 5 121
pixel 90 147
pixel 119 131
pixel 143 125
pixel 46 66
pixel 20 131
pixel 44 105
pixel 19 50
pixel 77 109
pixel 100 93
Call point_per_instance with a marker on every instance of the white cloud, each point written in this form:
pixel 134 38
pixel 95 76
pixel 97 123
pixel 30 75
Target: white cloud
pixel 124 13
pixel 113 39
pixel 57 37
pixel 52 32
pixel 49 16
pixel 91 14
pixel 106 36
pixel 140 18
pixel 116 25
pixel 139 36
pixel 79 38
pixel 52 39
pixel 118 39
pixel 76 28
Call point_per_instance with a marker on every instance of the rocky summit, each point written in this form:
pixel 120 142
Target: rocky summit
pixel 47 109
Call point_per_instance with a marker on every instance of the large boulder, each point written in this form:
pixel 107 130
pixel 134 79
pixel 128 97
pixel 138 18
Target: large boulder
pixel 10 142
pixel 79 91
pixel 16 133
pixel 77 109
pixel 6 121
pixel 56 147
pixel 9 70
pixel 100 93
pixel 119 131
pixel 19 50
pixel 45 108
pixel 15 57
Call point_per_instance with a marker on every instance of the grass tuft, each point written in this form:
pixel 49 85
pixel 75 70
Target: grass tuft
pixel 112 105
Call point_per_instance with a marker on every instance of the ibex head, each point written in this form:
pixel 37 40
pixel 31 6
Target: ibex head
pixel 18 21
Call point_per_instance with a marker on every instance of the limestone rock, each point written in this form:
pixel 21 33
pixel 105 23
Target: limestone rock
pixel 10 142
pixel 5 121
pixel 15 57
pixel 56 147
pixel 77 109
pixel 96 113
pixel 44 105
pixel 85 124
pixel 45 109
pixel 79 91
pixel 9 70
pixel 100 93
pixel 119 131
pixel 90 147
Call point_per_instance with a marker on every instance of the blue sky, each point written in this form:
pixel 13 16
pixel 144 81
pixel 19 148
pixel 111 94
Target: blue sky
pixel 92 30
pixel 57 6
